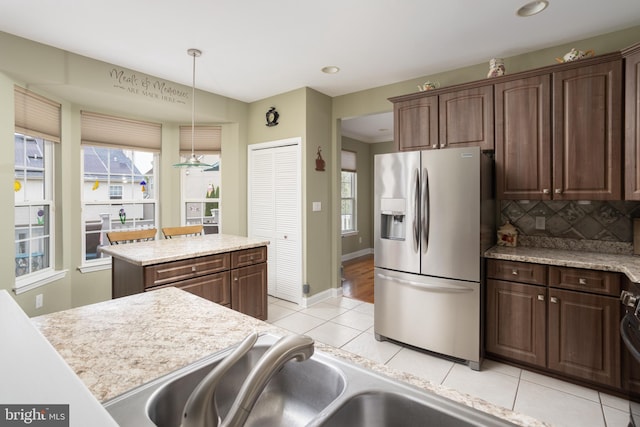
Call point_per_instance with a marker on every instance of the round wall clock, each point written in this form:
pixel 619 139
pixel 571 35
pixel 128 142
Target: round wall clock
pixel 272 117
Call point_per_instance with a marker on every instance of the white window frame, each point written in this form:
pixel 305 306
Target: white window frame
pixel 187 217
pixel 48 274
pixel 110 217
pixel 354 200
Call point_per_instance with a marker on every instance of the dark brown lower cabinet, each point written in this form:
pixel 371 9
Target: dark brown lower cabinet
pixel 516 321
pixel 236 279
pixel 584 339
pixel 249 290
pixel 560 320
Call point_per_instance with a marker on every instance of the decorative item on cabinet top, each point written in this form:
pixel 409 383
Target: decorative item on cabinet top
pixel 428 85
pixel 507 235
pixel 575 54
pixel 496 68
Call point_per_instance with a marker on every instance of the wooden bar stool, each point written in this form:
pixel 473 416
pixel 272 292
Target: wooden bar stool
pixel 187 230
pixel 120 237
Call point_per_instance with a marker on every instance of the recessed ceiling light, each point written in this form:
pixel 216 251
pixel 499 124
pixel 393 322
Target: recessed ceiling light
pixel 532 8
pixel 330 69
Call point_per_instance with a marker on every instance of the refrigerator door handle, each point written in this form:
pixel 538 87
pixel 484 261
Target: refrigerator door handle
pixel 450 289
pixel 426 211
pixel 416 214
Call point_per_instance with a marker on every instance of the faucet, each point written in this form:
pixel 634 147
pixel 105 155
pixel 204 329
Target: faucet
pixel 200 409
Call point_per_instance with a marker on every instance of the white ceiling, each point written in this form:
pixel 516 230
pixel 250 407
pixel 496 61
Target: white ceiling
pixel 256 49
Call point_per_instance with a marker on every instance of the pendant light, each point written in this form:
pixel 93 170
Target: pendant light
pixel 193 161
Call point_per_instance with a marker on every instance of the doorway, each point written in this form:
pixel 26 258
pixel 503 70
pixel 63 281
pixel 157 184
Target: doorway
pixel 357 278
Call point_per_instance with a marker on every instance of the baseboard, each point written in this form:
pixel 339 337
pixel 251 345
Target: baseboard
pixel 357 254
pixel 319 297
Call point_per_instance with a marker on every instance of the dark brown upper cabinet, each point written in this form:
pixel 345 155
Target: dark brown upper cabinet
pixel 632 123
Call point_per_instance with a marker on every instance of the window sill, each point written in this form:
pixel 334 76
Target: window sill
pixel 104 264
pixel 350 233
pixel 25 284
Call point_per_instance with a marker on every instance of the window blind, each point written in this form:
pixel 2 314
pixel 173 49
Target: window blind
pixel 348 161
pixel 206 139
pixel 36 116
pixel 100 129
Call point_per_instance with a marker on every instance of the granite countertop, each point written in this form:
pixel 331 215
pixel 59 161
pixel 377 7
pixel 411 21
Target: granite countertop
pixel 119 344
pixel 627 264
pixel 166 250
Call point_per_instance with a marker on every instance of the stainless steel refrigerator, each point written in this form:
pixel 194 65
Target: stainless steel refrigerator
pixel 434 218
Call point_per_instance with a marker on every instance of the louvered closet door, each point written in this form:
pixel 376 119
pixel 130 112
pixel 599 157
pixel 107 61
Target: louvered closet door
pixel 274 203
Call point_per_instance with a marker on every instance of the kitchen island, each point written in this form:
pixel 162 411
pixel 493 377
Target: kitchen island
pixel 120 344
pixel 226 269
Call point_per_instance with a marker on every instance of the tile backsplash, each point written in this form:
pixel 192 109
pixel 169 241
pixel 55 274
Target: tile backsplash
pixel 606 226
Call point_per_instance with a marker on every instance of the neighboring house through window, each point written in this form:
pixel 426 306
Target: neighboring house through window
pixel 119 179
pixel 348 192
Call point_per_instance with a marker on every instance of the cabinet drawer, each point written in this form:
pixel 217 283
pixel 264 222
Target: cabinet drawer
pixel 600 282
pixel 170 272
pixel 515 271
pixel 248 257
pixel 214 287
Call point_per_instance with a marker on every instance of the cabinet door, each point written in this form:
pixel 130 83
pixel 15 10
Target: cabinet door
pixel 632 126
pixel 416 124
pixel 584 337
pixel 587 108
pixel 516 321
pixel 523 138
pixel 466 118
pixel 249 290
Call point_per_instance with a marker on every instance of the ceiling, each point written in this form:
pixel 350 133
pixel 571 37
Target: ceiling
pixel 256 49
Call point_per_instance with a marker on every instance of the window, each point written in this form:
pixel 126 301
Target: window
pixel 119 192
pixel 33 199
pixel 119 179
pixel 348 192
pixel 37 130
pixel 201 194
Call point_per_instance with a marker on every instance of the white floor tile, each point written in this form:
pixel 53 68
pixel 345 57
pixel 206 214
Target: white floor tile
pixel 614 402
pixel 556 407
pixel 560 385
pixel 355 319
pixel 277 312
pixel 344 302
pixel 333 334
pixel 287 304
pixel 298 323
pixel 366 345
pixel 492 365
pixel 365 307
pixel 324 311
pixel 615 417
pixel 492 386
pixel 423 365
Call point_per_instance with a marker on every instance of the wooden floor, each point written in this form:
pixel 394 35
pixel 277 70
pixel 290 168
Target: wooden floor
pixel 357 282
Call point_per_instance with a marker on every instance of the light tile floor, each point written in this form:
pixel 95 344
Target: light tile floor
pixel 348 324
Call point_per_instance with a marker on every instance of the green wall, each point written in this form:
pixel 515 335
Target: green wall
pixel 80 83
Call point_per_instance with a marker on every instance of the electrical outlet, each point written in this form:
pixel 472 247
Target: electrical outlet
pixel 39 301
pixel 540 223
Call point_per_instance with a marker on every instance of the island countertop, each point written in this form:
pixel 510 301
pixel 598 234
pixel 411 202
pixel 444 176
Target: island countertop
pixel 166 250
pixel 117 345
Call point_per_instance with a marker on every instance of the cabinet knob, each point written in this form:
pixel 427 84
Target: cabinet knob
pixel 558 191
pixel 444 144
pixel 554 300
pixel 434 146
pixel 546 191
pixel 514 272
pixel 582 281
pixel 540 297
pixel 193 268
pixel 235 279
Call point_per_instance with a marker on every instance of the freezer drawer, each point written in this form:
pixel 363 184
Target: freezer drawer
pixel 431 313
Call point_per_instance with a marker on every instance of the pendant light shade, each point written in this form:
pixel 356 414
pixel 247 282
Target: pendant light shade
pixel 193 160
